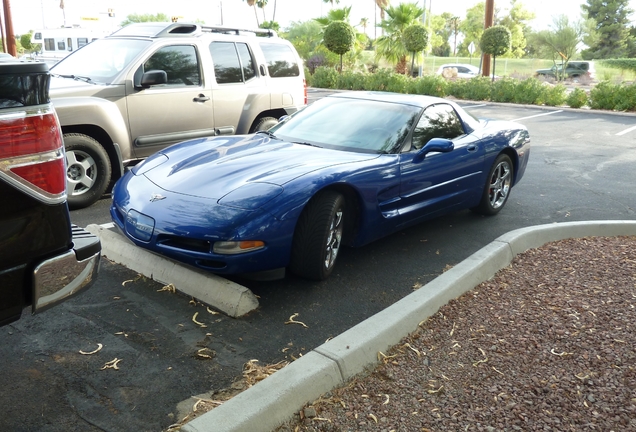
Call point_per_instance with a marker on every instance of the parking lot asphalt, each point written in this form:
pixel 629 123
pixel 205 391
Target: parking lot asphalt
pixel 580 169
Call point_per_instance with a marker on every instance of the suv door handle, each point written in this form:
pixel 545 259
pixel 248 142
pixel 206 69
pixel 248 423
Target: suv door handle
pixel 201 98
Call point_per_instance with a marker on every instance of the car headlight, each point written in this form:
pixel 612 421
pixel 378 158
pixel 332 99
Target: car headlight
pixel 150 163
pixel 237 247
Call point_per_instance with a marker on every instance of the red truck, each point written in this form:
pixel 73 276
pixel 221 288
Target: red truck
pixel 44 259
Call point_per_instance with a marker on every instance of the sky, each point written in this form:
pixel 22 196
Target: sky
pixel 38 14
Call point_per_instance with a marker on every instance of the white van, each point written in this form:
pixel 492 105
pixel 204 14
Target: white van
pixel 60 42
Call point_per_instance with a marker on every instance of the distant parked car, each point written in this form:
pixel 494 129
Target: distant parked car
pixel 463 70
pixel 346 170
pixel 574 69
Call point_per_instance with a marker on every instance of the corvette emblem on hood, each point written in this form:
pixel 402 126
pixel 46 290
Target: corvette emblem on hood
pixel 156 197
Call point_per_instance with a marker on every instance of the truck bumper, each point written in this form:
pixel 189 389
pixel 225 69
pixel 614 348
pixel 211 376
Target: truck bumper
pixel 63 276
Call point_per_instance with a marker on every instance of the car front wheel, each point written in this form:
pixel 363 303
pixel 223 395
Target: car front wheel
pixel 88 170
pixel 318 236
pixel 497 188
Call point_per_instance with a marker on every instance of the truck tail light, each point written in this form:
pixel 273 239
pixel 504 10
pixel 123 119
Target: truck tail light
pixel 32 154
pixel 305 86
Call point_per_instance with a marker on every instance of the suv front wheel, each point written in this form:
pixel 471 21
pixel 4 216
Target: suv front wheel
pixel 88 170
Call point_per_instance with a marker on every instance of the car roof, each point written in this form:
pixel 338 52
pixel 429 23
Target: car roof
pixel 401 98
pixel 459 64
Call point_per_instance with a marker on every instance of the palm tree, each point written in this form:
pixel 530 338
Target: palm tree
pixel 382 4
pixel 252 3
pixel 334 15
pixel 331 1
pixel 390 46
pixel 261 4
pixel 364 23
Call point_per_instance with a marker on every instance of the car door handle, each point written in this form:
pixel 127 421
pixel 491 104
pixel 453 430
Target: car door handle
pixel 201 98
pixel 472 148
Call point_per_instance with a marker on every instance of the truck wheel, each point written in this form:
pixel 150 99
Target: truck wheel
pixel 88 170
pixel 264 124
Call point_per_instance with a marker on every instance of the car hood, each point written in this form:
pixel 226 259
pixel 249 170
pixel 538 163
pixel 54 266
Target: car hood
pixel 214 167
pixel 69 87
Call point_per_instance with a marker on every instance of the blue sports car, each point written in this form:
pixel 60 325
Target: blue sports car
pixel 346 170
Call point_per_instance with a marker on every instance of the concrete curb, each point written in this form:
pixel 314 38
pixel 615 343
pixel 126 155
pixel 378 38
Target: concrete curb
pixel 222 294
pixel 274 400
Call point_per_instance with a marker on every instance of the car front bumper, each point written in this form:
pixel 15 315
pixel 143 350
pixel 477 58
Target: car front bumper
pixel 61 277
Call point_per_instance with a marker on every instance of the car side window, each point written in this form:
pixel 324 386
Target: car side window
pixel 180 62
pixel 437 121
pixel 233 62
pixel 281 61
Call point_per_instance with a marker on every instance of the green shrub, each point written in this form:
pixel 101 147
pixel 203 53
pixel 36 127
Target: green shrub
pixel 577 98
pixel 457 88
pixel 503 90
pixel 626 98
pixel 350 80
pixel 382 80
pixel 555 95
pixel 604 96
pixel 478 88
pixel 325 77
pixel 432 85
pixel 529 91
pixel 308 76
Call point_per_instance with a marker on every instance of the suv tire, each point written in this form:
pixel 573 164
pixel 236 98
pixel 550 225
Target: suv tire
pixel 88 170
pixel 264 124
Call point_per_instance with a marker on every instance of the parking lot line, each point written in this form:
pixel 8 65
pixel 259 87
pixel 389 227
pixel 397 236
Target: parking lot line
pixel 623 132
pixel 538 115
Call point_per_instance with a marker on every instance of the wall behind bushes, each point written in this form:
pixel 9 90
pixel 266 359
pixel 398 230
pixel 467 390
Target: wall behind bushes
pixel 531 91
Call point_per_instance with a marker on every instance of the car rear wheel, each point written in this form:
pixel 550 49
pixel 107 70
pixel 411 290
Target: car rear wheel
pixel 264 124
pixel 318 236
pixel 497 189
pixel 88 170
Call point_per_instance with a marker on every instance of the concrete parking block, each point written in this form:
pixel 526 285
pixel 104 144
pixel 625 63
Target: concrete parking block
pixel 231 298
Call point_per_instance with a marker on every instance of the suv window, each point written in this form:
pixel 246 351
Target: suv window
pixel 233 62
pixel 281 61
pixel 437 121
pixel 179 62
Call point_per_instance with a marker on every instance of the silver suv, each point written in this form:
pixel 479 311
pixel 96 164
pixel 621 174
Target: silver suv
pixel 121 98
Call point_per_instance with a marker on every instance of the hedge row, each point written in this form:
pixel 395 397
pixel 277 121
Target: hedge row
pixel 617 97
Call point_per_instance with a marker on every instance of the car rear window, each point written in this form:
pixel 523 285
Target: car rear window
pixel 281 61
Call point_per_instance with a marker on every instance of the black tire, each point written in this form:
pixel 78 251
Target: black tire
pixel 497 188
pixel 318 236
pixel 264 124
pixel 88 170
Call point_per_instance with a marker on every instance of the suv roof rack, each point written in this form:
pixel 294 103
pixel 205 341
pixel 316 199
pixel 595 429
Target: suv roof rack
pixel 157 30
pixel 229 30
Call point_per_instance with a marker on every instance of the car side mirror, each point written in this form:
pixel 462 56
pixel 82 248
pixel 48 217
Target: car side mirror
pixel 440 145
pixel 153 77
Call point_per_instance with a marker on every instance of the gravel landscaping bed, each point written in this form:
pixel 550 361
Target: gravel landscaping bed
pixel 545 345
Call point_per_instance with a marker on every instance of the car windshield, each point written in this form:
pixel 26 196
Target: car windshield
pixel 101 60
pixel 350 124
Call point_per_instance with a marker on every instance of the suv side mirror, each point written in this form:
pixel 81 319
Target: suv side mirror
pixel 153 77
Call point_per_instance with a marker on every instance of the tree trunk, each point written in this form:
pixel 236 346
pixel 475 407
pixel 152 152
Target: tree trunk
pixel 256 15
pixel 412 62
pixel 494 63
pixel 401 66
